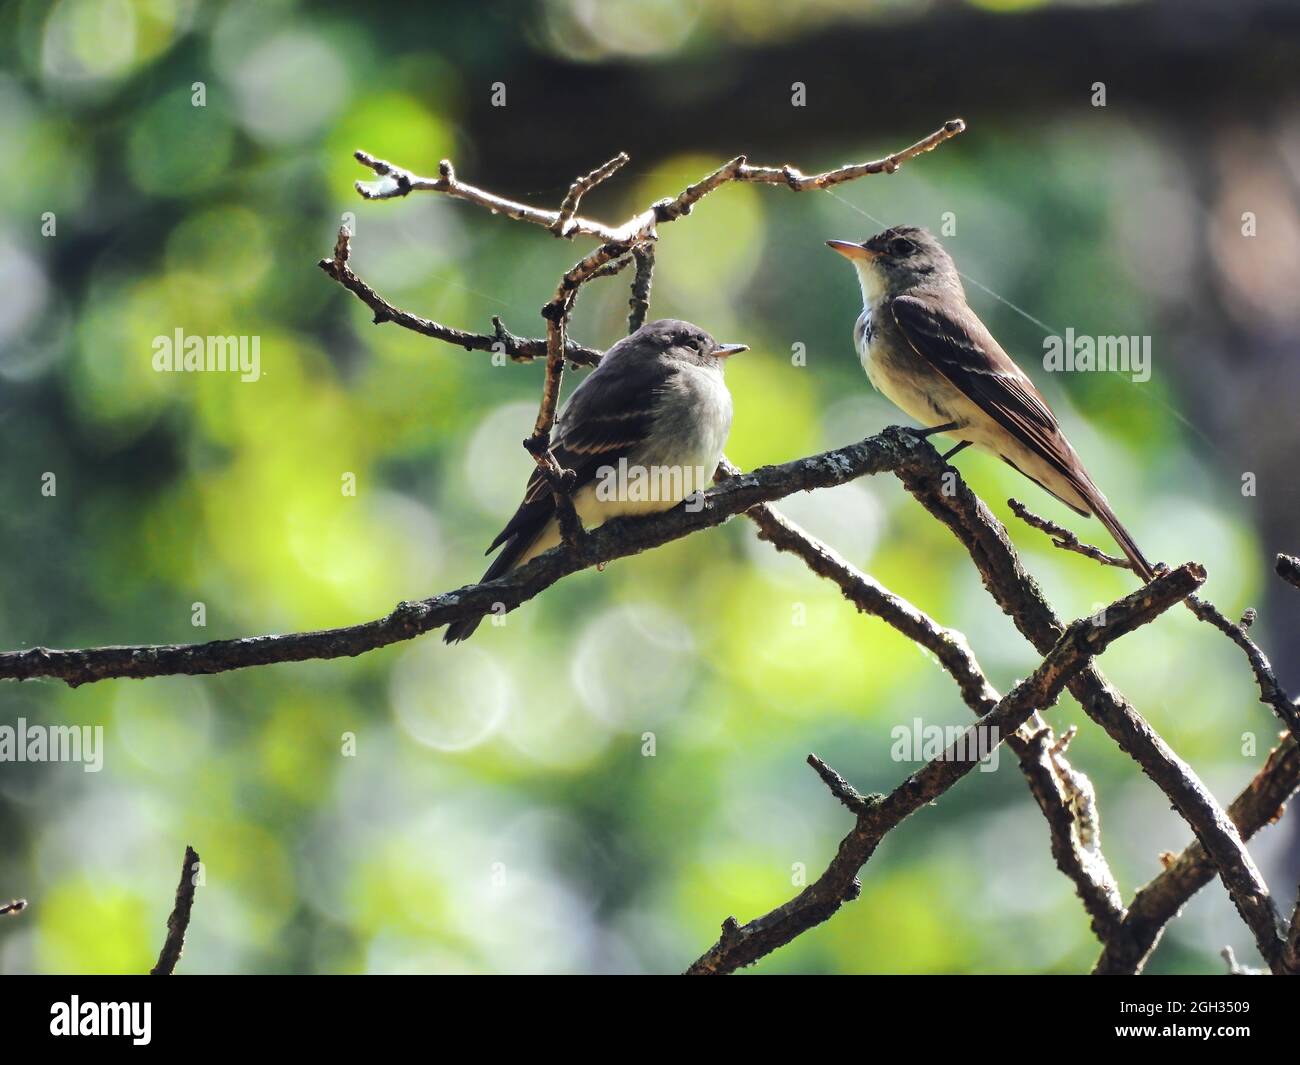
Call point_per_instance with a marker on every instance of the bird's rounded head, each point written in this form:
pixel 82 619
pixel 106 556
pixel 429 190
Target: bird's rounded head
pixel 682 341
pixel 900 259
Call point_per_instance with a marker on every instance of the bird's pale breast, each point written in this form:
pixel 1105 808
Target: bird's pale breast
pixel 690 430
pixel 902 377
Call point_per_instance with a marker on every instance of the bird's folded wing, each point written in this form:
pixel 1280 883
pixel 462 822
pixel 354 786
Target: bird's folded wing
pixel 958 345
pixel 603 422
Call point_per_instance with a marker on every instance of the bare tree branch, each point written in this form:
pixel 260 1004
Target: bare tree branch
pixel 636 235
pixel 519 349
pixel 639 302
pixel 556 313
pixel 1061 792
pixel 1156 904
pixel 1288 568
pixel 564 220
pixel 1128 947
pixel 739 169
pixel 615 539
pixel 179 921
pixel 1068 801
pixel 1021 599
pixel 1271 693
pixel 17 906
pixel 743 945
pixel 396 181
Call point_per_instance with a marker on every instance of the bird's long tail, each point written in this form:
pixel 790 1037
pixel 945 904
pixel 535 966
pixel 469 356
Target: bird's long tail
pixel 1126 543
pixel 1084 497
pixel 501 565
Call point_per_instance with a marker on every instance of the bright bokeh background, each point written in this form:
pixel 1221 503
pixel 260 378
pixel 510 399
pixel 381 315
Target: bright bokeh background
pixel 501 812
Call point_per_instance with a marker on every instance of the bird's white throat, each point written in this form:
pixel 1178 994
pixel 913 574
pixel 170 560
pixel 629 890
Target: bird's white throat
pixel 871 282
pixel 864 333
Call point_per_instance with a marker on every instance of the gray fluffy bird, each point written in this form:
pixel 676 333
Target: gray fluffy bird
pixel 657 402
pixel 929 353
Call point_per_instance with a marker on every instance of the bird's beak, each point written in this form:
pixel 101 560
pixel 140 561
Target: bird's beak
pixel 725 351
pixel 850 250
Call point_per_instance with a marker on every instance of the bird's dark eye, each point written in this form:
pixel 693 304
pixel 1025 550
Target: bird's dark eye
pixel 900 246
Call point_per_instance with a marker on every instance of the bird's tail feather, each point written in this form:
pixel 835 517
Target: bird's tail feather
pixel 501 565
pixel 1126 543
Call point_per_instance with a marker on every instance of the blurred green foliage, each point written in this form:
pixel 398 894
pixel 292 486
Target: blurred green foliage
pixel 499 812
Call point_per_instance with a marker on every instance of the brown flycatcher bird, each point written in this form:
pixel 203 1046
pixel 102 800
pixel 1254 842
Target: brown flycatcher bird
pixel 657 409
pixel 930 355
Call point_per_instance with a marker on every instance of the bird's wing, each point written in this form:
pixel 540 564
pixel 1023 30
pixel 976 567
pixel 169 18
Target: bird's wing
pixel 959 346
pixel 607 418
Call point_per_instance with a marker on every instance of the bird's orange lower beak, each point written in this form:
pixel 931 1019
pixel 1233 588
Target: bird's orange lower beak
pixel 850 250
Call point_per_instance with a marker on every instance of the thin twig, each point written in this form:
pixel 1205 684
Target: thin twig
pixel 847 795
pixel 179 921
pixel 611 269
pixel 556 313
pixel 1271 693
pixel 396 182
pixel 519 349
pixel 639 302
pixel 539 443
pixel 739 169
pixel 17 906
pixel 1064 539
pixel 1235 968
pixel 563 225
